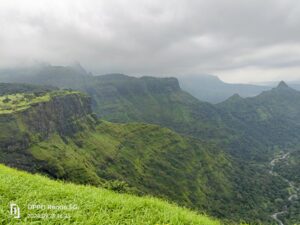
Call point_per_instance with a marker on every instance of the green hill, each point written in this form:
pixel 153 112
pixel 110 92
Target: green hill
pixel 220 168
pixel 63 139
pixel 211 89
pixel 148 158
pixel 60 136
pixel 271 118
pixel 56 134
pixel 74 204
pixel 121 98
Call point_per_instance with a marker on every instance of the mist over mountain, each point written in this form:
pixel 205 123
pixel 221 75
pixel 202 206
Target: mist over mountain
pixel 204 87
pixel 293 84
pixel 184 113
pixel 55 133
pixel 211 89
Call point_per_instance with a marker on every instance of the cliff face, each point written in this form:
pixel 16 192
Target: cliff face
pixel 63 115
pixel 58 115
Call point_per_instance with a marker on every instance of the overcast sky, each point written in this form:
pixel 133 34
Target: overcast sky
pixel 238 40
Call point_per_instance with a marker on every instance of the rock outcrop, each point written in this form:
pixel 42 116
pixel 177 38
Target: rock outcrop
pixel 63 115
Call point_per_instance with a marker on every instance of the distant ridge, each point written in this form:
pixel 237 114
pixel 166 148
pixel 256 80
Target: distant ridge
pixel 235 97
pixel 282 84
pixel 211 89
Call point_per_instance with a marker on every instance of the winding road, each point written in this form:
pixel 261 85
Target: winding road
pixel 274 216
pixel 295 190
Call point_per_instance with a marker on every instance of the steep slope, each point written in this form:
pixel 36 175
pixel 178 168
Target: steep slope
pixel 272 117
pixel 121 98
pixel 211 89
pixel 56 134
pixel 28 118
pixel 155 100
pixel 82 204
pixel 281 101
pixel 147 158
pixel 249 189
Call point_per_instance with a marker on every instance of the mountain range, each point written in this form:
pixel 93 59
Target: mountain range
pixel 146 136
pixel 211 89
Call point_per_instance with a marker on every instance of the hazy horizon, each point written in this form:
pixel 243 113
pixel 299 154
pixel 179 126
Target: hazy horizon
pixel 154 37
pixel 37 65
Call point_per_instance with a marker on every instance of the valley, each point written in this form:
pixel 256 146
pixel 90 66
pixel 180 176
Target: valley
pixel 148 112
pixel 293 189
pixel 145 136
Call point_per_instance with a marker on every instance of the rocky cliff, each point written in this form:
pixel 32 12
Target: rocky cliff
pixel 63 114
pixel 58 115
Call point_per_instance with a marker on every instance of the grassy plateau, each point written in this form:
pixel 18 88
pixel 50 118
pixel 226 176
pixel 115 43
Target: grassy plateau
pixel 20 101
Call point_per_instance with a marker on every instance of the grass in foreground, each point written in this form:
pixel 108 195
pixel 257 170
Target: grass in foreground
pixel 77 204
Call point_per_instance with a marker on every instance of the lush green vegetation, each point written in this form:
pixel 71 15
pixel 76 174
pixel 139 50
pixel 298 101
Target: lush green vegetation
pixel 291 166
pixel 86 205
pixel 146 157
pixel 20 101
pixel 271 119
pixel 135 158
pixel 289 169
pixel 120 98
pixel 220 168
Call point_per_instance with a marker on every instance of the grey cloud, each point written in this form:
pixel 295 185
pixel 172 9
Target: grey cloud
pixel 170 37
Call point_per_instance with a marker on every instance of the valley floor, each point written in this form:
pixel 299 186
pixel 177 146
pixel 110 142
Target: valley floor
pixel 294 191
